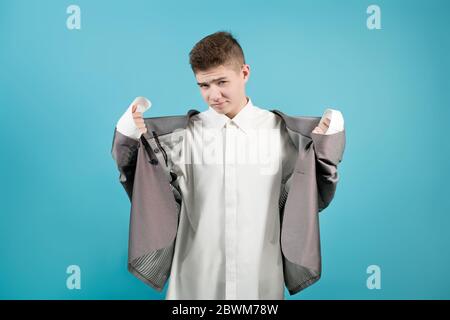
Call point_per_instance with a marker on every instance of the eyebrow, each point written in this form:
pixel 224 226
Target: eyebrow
pixel 214 80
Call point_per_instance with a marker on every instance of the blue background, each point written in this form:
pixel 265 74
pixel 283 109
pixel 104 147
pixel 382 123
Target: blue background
pixel 62 92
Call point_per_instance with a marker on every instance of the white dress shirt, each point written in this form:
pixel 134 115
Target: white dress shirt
pixel 230 177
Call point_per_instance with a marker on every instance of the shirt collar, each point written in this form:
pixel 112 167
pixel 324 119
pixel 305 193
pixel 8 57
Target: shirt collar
pixel 245 119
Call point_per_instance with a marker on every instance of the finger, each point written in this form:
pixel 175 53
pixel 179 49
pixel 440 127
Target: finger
pixel 137 115
pixel 322 127
pixel 142 103
pixel 133 108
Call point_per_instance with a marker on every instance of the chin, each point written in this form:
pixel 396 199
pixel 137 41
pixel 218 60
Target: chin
pixel 221 109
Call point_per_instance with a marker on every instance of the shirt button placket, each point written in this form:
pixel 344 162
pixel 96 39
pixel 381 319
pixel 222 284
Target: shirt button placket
pixel 230 212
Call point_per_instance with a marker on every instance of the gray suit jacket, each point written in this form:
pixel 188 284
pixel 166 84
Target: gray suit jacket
pixel 156 199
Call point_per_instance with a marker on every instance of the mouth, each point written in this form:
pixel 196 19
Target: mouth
pixel 218 104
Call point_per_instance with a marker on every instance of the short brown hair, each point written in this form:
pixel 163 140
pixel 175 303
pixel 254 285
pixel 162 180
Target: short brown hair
pixel 219 48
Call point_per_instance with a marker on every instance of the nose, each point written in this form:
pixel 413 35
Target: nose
pixel 214 94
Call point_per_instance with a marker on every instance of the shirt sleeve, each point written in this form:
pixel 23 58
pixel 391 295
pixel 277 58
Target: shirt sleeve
pixel 336 121
pixel 126 125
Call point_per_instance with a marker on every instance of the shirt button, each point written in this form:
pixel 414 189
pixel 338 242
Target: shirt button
pixel 156 150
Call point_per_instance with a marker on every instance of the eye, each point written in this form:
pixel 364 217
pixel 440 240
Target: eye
pixel 222 82
pixel 203 86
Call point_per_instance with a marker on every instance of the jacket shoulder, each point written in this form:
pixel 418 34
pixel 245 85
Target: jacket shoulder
pixel 299 124
pixel 168 124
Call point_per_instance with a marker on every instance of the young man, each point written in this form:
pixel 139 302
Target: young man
pixel 224 202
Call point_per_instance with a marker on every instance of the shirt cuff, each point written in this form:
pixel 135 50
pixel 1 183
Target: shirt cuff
pixel 336 121
pixel 126 125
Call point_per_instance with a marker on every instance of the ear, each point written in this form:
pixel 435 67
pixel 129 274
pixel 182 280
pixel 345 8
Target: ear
pixel 246 72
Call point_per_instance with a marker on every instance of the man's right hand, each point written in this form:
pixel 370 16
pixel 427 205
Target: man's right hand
pixel 131 124
pixel 138 119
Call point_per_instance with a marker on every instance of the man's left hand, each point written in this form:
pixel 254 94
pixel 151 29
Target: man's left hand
pixel 323 126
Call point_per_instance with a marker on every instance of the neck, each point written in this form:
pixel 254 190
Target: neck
pixel 233 113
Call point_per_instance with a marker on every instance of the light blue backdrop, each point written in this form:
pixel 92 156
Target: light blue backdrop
pixel 62 92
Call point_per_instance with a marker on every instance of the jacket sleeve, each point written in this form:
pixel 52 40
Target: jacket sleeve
pixel 124 152
pixel 329 150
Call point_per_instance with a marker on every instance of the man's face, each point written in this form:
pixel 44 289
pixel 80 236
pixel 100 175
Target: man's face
pixel 223 87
